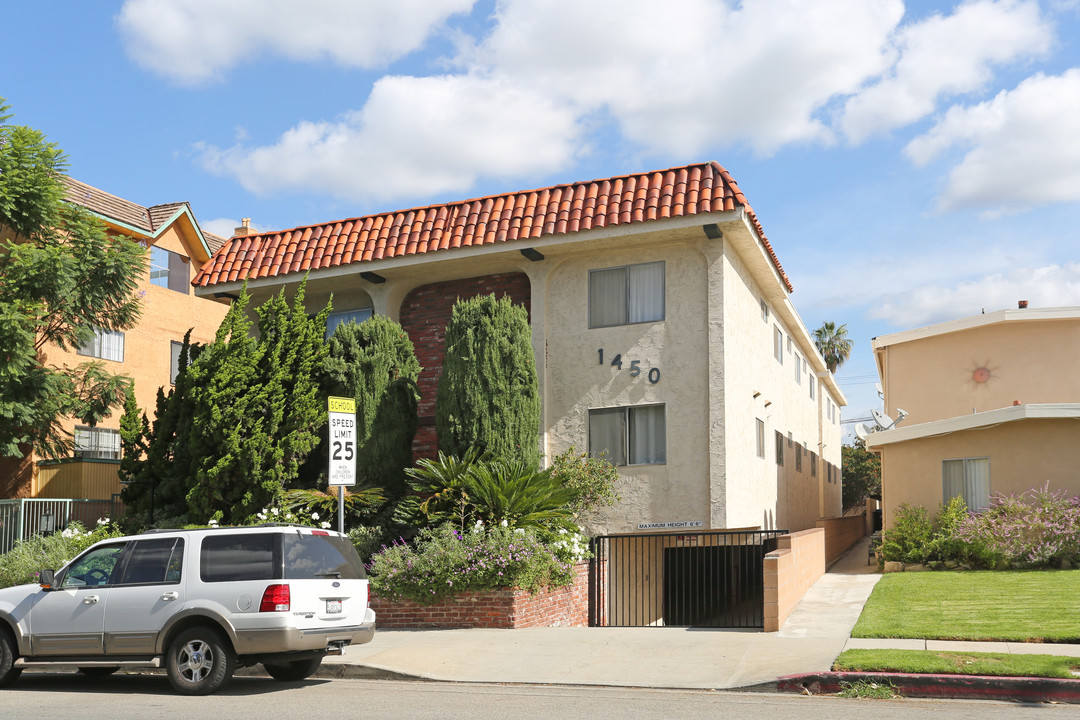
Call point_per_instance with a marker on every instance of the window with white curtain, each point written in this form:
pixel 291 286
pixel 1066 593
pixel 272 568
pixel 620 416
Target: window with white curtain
pixel 338 318
pixel 95 442
pixel 968 478
pixel 106 344
pixel 626 295
pixel 629 435
pixel 760 437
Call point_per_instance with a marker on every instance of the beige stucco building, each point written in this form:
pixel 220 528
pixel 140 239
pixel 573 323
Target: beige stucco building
pixel 176 249
pixel 992 406
pixel 662 325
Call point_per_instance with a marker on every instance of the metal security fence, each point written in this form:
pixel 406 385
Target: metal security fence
pixel 701 579
pixel 23 518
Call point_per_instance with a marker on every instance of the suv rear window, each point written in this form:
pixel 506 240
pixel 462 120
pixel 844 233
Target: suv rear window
pixel 248 556
pixel 321 556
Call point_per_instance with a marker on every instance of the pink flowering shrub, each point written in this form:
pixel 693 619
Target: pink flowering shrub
pixel 1040 528
pixel 443 560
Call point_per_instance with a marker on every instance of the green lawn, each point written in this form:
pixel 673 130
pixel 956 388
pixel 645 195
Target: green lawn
pixel 957 663
pixel 1033 606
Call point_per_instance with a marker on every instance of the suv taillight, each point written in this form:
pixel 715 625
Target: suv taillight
pixel 275 598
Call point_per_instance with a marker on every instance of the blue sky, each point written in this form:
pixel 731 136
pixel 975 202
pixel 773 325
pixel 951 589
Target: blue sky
pixel 911 162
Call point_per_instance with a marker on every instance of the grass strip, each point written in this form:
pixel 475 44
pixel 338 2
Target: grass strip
pixel 958 663
pixel 1017 606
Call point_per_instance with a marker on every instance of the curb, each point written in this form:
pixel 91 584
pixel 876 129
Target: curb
pixel 965 687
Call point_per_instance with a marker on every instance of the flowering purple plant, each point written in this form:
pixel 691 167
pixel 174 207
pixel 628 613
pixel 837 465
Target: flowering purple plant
pixel 444 560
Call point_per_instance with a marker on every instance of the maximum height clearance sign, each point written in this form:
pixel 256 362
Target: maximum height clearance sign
pixel 342 441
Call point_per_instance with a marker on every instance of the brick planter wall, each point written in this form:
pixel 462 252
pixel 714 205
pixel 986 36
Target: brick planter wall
pixel 425 311
pixel 504 609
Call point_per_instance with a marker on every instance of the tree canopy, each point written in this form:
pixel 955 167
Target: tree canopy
pixel 61 277
pixel 833 344
pixel 861 473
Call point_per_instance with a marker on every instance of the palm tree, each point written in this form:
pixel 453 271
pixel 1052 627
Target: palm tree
pixel 833 344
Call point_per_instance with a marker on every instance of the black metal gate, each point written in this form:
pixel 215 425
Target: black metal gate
pixel 710 578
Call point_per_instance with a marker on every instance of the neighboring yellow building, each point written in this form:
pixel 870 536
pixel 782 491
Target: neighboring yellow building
pixel 992 405
pixel 148 353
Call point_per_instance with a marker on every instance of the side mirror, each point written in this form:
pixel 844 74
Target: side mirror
pixel 46 578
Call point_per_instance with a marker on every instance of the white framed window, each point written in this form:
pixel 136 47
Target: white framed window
pixel 95 442
pixel 635 435
pixel 338 318
pixel 764 311
pixel 798 369
pixel 760 437
pixel 778 344
pixel 968 478
pixel 798 457
pixel 626 295
pixel 106 344
pixel 168 270
pixel 812 381
pixel 779 448
pixel 813 464
pixel 174 362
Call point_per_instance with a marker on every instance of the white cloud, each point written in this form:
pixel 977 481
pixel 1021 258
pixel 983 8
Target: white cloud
pixel 1022 147
pixel 946 55
pixel 688 75
pixel 415 136
pixel 192 41
pixel 1047 286
pixel 220 226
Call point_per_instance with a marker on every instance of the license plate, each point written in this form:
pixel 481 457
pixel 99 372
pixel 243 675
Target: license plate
pixel 333 606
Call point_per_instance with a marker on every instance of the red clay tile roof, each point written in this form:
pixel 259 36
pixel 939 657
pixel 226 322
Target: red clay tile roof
pixel 531 214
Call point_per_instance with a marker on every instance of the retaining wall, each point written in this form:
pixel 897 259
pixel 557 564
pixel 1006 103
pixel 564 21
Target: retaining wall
pixel 840 534
pixel 790 570
pixel 505 608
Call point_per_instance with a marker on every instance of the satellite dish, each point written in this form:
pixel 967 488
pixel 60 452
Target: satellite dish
pixel 900 415
pixel 880 392
pixel 860 432
pixel 884 422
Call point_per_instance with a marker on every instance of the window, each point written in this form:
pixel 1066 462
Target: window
pixel 168 269
pixel 95 442
pixel 798 369
pixel 764 311
pixel 760 438
pixel 629 435
pixel 813 464
pixel 798 458
pixel 968 478
pixel 94 568
pixel 778 344
pixel 174 362
pixel 813 382
pixel 228 558
pixel 106 344
pixel 626 295
pixel 337 318
pixel 779 448
pixel 154 562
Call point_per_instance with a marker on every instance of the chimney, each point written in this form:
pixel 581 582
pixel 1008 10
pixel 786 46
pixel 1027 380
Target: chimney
pixel 1022 304
pixel 245 228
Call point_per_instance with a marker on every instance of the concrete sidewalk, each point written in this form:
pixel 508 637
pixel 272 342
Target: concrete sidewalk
pixel 643 657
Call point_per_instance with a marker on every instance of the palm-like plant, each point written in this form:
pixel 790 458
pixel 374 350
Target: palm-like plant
pixel 512 492
pixel 359 502
pixel 833 344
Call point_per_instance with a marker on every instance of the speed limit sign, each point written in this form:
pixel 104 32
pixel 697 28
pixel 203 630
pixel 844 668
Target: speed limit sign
pixel 342 441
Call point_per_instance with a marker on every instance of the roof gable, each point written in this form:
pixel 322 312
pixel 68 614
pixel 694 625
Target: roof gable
pixel 531 214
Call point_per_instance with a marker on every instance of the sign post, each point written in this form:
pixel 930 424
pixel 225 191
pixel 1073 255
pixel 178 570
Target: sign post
pixel 342 469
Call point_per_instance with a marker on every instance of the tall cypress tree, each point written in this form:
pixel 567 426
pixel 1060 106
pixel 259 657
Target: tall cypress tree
pixel 488 397
pixel 374 362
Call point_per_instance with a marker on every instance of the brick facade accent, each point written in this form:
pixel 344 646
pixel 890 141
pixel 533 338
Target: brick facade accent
pixel 425 311
pixel 503 609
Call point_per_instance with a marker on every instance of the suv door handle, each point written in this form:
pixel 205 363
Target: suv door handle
pixel 170 596
pixel 90 599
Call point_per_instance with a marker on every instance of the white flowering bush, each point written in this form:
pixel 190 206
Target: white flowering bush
pixel 29 557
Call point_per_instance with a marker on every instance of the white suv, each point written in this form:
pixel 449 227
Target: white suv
pixel 199 602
